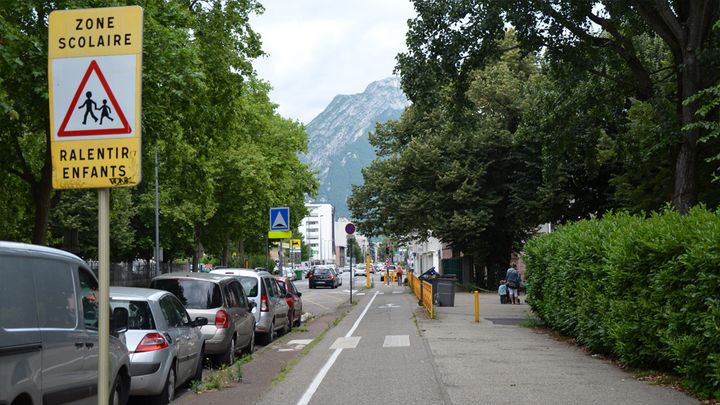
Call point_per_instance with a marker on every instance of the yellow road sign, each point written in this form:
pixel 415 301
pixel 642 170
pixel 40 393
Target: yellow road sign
pixel 279 234
pixel 94 72
pixel 295 243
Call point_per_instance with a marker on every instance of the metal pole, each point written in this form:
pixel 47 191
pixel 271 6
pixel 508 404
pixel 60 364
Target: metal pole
pixel 367 271
pixel 267 254
pixel 103 388
pixel 351 268
pixel 477 307
pixel 157 218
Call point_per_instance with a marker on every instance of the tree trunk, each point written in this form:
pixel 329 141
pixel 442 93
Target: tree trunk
pixel 684 190
pixel 198 254
pixel 41 192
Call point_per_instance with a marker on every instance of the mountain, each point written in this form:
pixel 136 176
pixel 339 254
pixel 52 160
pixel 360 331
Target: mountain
pixel 338 138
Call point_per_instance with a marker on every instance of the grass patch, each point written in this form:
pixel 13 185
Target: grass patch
pixel 221 378
pixel 530 323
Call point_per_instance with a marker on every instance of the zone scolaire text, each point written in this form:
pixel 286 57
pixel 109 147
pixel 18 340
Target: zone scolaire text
pixel 94 40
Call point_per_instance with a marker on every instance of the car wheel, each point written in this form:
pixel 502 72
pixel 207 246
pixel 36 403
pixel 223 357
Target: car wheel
pixel 269 336
pixel 228 357
pixel 199 368
pixel 118 393
pixel 168 393
pixel 250 348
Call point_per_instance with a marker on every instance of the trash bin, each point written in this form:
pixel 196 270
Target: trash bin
pixel 446 290
pixel 298 274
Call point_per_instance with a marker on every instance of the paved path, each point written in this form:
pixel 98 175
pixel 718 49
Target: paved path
pixel 497 362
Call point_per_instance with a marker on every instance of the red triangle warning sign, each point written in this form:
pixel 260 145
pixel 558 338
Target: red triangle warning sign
pixel 93 109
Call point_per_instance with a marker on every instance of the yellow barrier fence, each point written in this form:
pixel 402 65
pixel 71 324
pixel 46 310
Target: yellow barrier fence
pixel 427 297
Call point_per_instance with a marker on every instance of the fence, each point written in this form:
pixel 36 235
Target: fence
pixel 137 273
pixel 423 291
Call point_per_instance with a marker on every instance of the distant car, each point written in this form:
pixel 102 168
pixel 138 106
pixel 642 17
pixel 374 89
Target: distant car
pixel 270 309
pixel 289 273
pixel 293 297
pixel 388 268
pixel 166 347
pixel 323 275
pixel 360 270
pixel 49 337
pixel 216 297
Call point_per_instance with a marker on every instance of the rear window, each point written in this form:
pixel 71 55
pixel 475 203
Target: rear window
pixel 194 294
pixel 139 314
pixel 250 285
pixel 322 271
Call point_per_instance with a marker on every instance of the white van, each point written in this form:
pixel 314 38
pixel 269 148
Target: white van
pixel 49 345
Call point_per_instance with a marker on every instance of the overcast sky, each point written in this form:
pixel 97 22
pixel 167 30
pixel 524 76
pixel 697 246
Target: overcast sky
pixel 320 48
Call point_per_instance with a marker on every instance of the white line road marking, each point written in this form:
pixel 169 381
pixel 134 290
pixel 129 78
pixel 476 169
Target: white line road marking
pixel 396 341
pixel 388 306
pixel 300 342
pixel 346 342
pixel 307 396
pixel 398 292
pixel 360 294
pixel 286 350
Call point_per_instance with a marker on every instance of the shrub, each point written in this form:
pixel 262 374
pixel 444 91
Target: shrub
pixel 644 289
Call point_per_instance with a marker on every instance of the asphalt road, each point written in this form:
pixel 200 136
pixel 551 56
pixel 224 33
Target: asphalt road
pixel 316 302
pixel 375 355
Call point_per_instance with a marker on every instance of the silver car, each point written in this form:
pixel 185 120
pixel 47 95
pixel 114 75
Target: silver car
pixel 166 347
pixel 220 299
pixel 49 347
pixel 271 309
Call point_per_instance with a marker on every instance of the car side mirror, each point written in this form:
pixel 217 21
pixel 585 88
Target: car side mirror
pixel 200 321
pixel 119 321
pixel 251 305
pixel 299 294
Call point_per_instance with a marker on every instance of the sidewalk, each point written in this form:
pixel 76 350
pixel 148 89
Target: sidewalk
pixel 498 362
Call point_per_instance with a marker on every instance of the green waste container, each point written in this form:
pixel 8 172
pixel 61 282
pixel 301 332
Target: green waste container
pixel 298 274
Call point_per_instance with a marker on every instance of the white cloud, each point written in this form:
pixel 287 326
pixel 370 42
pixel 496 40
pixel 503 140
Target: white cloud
pixel 320 48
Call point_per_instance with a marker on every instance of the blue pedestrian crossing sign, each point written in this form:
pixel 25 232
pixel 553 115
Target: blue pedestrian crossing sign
pixel 280 219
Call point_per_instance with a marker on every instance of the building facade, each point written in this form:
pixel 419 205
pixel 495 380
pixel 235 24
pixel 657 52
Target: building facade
pixel 318 232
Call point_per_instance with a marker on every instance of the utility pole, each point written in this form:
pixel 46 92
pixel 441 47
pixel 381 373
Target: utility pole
pixel 157 218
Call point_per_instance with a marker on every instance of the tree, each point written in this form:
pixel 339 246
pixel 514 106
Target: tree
pixel 450 39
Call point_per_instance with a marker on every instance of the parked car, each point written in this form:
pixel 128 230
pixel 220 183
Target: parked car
pixel 289 273
pixel 360 270
pixel 49 347
pixel 293 297
pixel 216 297
pixel 271 309
pixel 166 347
pixel 323 275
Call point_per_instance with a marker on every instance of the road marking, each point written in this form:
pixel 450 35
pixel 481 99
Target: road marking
pixel 360 294
pixel 307 396
pixel 300 342
pixel 398 292
pixel 295 345
pixel 396 341
pixel 346 342
pixel 388 306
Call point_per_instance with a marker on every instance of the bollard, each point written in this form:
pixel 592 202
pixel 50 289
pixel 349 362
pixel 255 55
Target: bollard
pixel 477 307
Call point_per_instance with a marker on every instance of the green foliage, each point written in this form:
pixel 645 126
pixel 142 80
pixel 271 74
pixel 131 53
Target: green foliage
pixel 643 289
pixel 225 155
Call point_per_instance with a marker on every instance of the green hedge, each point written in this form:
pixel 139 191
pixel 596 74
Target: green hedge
pixel 645 290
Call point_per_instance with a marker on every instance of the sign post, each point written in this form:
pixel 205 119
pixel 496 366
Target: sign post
pixel 280 228
pixel 350 230
pixel 94 77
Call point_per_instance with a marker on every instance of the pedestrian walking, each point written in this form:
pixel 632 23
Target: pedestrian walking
pixel 399 274
pixel 512 278
pixel 503 292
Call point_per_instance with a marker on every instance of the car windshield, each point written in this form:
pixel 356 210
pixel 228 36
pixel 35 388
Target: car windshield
pixel 139 314
pixel 194 294
pixel 250 284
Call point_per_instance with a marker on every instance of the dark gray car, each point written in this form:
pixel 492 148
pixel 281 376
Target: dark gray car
pixel 220 299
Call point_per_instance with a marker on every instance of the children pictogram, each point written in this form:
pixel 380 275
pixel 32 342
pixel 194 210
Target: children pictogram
pixel 88 105
pixel 93 90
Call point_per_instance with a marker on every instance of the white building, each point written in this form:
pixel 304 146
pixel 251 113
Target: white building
pixel 425 255
pixel 319 232
pixel 341 243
